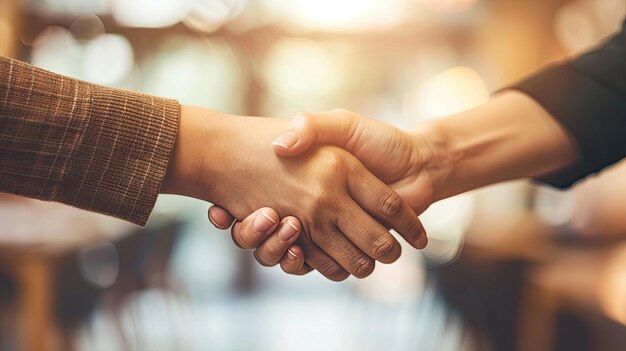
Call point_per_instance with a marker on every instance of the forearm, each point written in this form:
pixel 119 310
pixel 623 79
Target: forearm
pixel 510 137
pixel 200 141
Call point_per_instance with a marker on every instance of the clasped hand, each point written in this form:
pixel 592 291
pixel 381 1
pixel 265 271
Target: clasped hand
pixel 344 197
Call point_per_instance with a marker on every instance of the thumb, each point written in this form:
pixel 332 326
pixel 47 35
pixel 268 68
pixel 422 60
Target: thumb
pixel 333 128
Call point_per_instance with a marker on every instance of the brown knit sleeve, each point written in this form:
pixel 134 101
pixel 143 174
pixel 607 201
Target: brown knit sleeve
pixel 99 149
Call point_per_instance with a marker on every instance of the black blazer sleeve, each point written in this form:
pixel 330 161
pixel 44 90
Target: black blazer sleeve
pixel 588 97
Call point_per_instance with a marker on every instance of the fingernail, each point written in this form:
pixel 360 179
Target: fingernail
pixel 214 222
pixel 291 256
pixel 263 222
pixel 287 140
pixel 287 231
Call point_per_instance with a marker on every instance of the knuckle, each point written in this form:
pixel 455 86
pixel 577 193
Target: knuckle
pixel 326 200
pixel 344 115
pixel 338 110
pixel 334 163
pixel 329 160
pixel 363 266
pixel 321 202
pixel 308 116
pixel 333 271
pixel 391 204
pixel 383 246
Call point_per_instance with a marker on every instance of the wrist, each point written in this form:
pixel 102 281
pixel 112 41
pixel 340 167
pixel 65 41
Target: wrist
pixel 438 153
pixel 510 137
pixel 200 131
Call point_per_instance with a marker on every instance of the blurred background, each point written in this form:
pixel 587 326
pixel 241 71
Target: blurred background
pixel 515 266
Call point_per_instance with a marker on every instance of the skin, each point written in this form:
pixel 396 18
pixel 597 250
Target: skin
pixel 342 210
pixel 510 137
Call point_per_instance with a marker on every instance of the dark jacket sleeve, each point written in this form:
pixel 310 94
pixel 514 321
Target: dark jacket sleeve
pixel 588 97
pixel 96 148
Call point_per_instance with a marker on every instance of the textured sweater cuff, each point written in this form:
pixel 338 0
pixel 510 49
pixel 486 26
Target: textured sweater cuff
pixel 120 161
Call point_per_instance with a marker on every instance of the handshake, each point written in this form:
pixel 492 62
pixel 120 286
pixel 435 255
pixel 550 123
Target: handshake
pixel 322 192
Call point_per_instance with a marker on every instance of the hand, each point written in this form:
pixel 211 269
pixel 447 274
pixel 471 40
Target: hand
pixel 402 160
pixel 405 161
pixel 228 161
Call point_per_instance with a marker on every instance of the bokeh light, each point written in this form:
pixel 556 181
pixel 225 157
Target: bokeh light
pixel 198 72
pixel 453 90
pixel 555 208
pixel 447 221
pixel 209 15
pixel 449 5
pixel 99 264
pixel 575 26
pixel 581 24
pixel 87 27
pixel 55 50
pixel 342 14
pixel 98 66
pixel 150 13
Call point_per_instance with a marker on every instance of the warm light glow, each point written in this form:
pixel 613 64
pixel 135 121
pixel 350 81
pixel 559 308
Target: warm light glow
pixel 301 68
pixel 449 5
pixel 454 90
pixel 341 14
pixel 150 13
